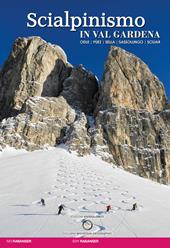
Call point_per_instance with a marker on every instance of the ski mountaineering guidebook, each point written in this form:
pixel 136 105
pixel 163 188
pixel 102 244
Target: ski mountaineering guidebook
pixel 84 123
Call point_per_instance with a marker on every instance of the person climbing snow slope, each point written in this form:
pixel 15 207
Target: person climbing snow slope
pixel 60 208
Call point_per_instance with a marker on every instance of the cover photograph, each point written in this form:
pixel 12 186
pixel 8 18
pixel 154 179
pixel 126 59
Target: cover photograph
pixel 84 123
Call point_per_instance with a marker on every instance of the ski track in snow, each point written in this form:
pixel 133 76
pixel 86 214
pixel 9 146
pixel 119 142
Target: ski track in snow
pixel 85 186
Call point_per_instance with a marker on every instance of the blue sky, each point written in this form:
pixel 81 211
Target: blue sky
pixel 157 14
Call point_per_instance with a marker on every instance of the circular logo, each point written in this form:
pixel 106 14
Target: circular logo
pixel 87 224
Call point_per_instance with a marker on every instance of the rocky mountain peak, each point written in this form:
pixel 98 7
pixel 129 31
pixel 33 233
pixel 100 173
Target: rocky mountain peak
pixel 38 68
pixel 29 71
pixel 128 82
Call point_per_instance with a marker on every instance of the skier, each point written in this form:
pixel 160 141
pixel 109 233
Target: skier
pixel 108 208
pixel 134 207
pixel 60 208
pixel 42 202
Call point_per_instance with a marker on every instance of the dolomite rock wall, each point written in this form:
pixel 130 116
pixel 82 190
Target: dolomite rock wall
pixel 134 115
pixel 138 140
pixel 80 89
pixel 33 68
pixel 128 82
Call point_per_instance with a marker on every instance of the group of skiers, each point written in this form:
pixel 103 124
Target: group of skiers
pixel 108 207
pixel 134 207
pixel 60 208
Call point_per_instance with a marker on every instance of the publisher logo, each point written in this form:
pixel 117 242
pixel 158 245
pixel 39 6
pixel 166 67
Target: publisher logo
pixel 87 224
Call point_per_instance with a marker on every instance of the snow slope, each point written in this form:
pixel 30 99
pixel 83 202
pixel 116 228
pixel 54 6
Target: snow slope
pixel 85 185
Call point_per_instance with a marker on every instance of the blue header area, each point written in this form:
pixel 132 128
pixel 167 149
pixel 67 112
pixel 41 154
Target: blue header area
pixel 13 20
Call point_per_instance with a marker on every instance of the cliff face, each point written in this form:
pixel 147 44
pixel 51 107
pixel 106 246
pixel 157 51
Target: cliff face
pixel 45 101
pixel 32 69
pixel 138 140
pixel 132 112
pixel 128 82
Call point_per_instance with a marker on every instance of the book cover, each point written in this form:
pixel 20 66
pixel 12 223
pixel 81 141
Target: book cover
pixel 84 123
